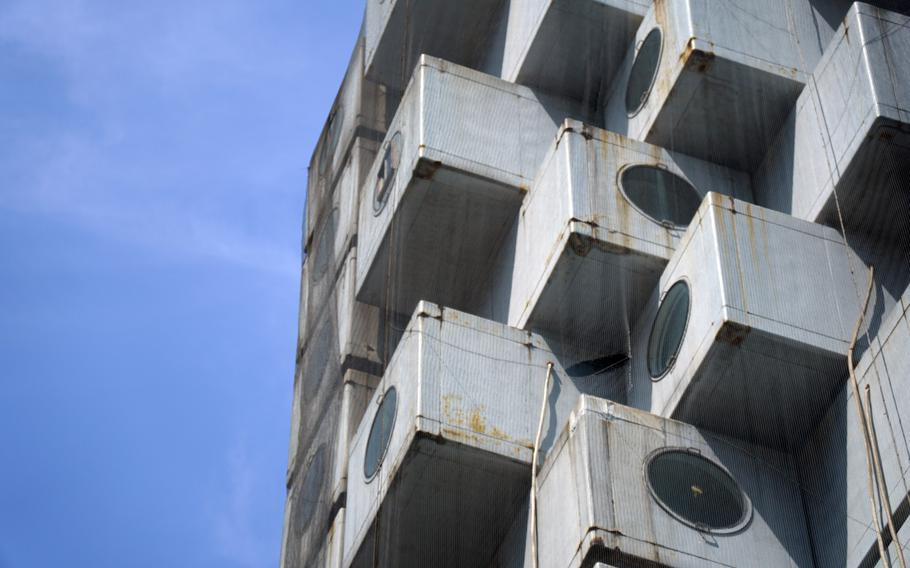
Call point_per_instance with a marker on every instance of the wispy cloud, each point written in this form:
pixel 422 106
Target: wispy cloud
pixel 167 140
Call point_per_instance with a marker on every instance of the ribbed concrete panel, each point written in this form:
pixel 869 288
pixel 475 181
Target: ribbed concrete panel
pixel 606 498
pixel 448 181
pixel 759 347
pixel 709 65
pixel 459 403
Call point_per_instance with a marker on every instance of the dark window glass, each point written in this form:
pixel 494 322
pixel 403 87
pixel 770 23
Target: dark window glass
pixel 310 491
pixel 317 355
pixel 380 433
pixel 697 491
pixel 668 330
pixel 661 195
pixel 597 366
pixel 387 171
pixel 644 70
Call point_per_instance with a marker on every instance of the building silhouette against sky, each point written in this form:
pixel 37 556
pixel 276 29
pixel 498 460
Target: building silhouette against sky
pixel 628 242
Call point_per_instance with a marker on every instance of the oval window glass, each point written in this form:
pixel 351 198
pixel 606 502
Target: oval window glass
pixel 317 354
pixel 659 194
pixel 668 329
pixel 643 73
pixel 386 174
pixel 380 433
pixel 697 491
pixel 310 491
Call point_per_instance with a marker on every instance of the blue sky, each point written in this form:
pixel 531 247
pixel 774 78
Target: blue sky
pixel 152 178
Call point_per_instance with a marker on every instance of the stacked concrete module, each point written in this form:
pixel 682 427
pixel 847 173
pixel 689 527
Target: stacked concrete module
pixel 628 488
pixel 748 330
pixel 699 67
pixel 441 458
pixel 345 335
pixel 317 493
pixel 340 345
pixel 852 119
pixel 570 48
pixel 843 156
pixel 688 260
pixel 335 235
pixel 832 462
pixel 450 175
pixel 603 218
pixel 361 111
pixel 397 32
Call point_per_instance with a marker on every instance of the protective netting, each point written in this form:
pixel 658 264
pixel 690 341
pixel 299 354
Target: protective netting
pixel 677 204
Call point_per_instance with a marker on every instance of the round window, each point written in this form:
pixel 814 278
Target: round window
pixel 659 194
pixel 380 433
pixel 386 174
pixel 310 491
pixel 697 491
pixel 668 329
pixel 317 355
pixel 643 73
pixel 330 142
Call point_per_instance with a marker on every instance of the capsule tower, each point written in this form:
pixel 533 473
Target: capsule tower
pixel 608 283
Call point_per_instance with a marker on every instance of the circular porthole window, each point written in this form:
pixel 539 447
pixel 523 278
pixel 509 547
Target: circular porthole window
pixel 330 142
pixel 318 353
pixel 386 174
pixel 643 73
pixel 310 491
pixel 661 195
pixel 380 433
pixel 668 329
pixel 697 491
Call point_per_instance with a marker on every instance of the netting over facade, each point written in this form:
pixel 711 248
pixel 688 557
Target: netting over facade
pixel 585 284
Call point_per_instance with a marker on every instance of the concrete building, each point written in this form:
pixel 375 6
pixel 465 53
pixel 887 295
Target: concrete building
pixel 608 283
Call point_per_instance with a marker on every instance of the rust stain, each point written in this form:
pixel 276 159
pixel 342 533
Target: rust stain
pixel 660 12
pixel 750 226
pixel 733 333
pixel 497 433
pixel 697 59
pixel 461 436
pixel 581 246
pixel 477 422
pixel 623 207
pixel 451 410
pixel 426 169
pixel 886 134
pixel 587 133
